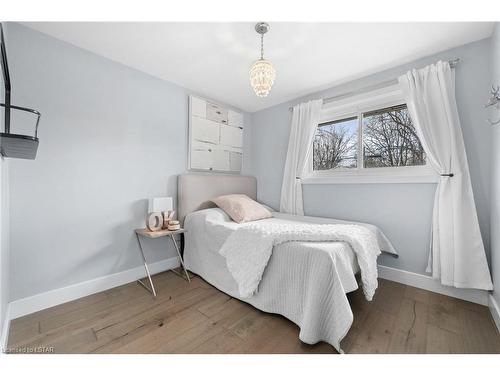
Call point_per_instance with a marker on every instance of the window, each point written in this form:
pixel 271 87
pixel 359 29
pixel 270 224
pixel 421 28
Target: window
pixel 336 145
pixel 390 139
pixel 373 140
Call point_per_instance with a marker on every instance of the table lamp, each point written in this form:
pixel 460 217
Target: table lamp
pixel 160 204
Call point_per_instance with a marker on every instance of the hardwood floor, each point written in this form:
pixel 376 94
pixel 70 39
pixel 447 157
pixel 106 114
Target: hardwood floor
pixel 197 318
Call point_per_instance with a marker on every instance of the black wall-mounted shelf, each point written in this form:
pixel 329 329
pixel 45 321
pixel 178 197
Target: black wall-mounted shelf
pixel 15 145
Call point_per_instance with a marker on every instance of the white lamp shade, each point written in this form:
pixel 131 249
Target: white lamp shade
pixel 160 204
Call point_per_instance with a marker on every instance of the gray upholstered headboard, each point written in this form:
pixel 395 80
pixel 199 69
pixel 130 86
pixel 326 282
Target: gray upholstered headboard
pixel 194 191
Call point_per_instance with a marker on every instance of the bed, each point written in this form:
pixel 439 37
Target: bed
pixel 306 282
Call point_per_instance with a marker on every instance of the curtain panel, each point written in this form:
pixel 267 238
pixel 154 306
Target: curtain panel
pixel 457 257
pixel 305 119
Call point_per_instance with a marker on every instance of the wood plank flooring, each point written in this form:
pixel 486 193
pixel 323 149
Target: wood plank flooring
pixel 197 318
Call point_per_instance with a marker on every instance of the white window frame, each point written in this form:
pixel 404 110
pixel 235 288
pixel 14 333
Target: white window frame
pixel 355 106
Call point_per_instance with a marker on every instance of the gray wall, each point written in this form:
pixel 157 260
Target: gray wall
pixel 110 137
pixel 4 240
pixel 402 211
pixel 4 224
pixel 495 172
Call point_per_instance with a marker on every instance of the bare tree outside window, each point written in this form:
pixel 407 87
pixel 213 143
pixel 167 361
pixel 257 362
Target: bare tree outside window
pixel 390 139
pixel 335 145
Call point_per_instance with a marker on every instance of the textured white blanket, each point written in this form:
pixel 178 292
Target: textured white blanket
pixel 248 249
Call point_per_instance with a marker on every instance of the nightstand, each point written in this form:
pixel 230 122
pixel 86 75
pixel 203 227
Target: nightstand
pixel 160 233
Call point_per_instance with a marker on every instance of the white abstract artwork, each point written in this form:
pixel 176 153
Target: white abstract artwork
pixel 215 137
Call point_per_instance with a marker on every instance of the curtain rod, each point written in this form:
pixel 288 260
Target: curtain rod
pixel 453 63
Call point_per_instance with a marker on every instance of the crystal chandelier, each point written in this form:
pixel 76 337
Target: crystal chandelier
pixel 262 73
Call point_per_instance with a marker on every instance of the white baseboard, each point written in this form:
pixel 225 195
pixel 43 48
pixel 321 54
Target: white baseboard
pixel 495 311
pixel 428 283
pixel 4 337
pixel 55 297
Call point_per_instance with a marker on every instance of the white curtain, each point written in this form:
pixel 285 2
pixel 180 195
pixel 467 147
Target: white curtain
pixel 457 254
pixel 305 119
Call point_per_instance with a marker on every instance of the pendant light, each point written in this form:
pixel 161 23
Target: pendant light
pixel 262 72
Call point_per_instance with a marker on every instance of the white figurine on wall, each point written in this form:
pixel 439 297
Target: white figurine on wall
pixel 494 102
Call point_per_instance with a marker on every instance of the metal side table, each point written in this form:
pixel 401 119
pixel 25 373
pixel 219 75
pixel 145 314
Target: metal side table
pixel 161 233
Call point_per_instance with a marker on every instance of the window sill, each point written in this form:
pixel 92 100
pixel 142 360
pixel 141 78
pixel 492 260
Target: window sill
pixel 386 177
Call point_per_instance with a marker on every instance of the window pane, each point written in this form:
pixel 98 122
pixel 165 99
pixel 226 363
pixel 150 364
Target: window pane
pixel 390 140
pixel 336 145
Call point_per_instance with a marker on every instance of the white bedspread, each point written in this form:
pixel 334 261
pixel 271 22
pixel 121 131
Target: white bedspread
pixel 306 282
pixel 248 249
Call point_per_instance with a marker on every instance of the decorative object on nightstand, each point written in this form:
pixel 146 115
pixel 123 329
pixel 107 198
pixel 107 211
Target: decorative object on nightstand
pixel 160 204
pixel 160 213
pixel 174 225
pixel 154 221
pixel 168 216
pixel 157 234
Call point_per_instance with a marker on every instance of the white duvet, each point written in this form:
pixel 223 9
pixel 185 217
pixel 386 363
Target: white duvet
pixel 291 266
pixel 247 250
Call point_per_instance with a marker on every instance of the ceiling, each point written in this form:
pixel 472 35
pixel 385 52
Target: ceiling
pixel 212 59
